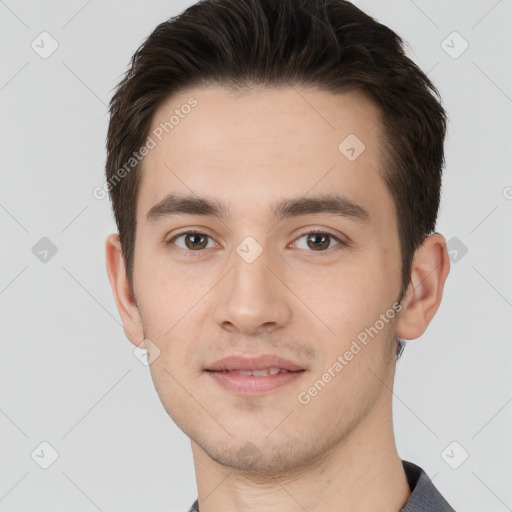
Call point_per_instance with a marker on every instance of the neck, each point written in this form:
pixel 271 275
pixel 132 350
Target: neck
pixel 363 471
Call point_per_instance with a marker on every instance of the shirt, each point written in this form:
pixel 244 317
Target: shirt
pixel 424 495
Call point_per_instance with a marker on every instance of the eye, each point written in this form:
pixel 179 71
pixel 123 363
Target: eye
pixel 192 240
pixel 195 241
pixel 318 240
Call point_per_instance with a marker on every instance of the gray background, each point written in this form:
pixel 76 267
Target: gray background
pixel 69 376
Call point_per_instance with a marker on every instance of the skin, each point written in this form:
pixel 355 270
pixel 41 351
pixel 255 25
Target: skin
pixel 338 451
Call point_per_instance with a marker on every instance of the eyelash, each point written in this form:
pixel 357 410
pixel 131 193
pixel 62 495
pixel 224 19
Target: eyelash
pixel 341 243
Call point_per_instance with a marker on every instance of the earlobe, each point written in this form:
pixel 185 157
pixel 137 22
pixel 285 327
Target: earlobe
pixel 125 302
pixel 430 268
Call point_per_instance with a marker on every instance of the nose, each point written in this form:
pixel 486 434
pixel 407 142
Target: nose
pixel 251 298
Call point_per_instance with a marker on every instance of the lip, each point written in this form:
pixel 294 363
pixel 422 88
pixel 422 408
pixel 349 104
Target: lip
pixel 253 384
pixel 262 362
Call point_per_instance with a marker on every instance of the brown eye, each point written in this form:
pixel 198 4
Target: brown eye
pixel 192 240
pixel 318 241
pixel 196 241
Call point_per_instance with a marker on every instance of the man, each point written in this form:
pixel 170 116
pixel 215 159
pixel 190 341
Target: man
pixel 275 173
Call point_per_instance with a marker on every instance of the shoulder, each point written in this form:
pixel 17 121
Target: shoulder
pixel 424 496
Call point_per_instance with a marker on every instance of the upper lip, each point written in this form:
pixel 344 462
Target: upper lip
pixel 261 362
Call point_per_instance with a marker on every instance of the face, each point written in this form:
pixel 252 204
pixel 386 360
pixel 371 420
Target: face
pixel 275 271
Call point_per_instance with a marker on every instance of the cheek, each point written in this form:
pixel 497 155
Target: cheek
pixel 162 287
pixel 347 297
pixel 162 302
pixel 173 306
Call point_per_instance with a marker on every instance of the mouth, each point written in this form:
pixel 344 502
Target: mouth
pixel 250 376
pixel 257 373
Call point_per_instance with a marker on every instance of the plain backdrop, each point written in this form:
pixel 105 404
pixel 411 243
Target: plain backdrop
pixel 68 376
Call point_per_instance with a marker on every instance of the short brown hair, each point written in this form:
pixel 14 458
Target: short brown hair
pixel 330 44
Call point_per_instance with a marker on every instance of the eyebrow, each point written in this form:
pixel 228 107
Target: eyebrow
pixel 176 204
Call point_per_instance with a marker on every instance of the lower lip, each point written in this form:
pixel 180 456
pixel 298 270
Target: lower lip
pixel 254 384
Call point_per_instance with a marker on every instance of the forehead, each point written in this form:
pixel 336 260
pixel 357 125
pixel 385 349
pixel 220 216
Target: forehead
pixel 252 146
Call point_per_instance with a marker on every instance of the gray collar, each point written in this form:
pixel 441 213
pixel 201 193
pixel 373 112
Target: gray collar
pixel 424 496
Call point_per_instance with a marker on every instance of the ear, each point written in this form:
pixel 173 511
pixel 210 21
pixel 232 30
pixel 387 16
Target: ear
pixel 430 268
pixel 125 302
